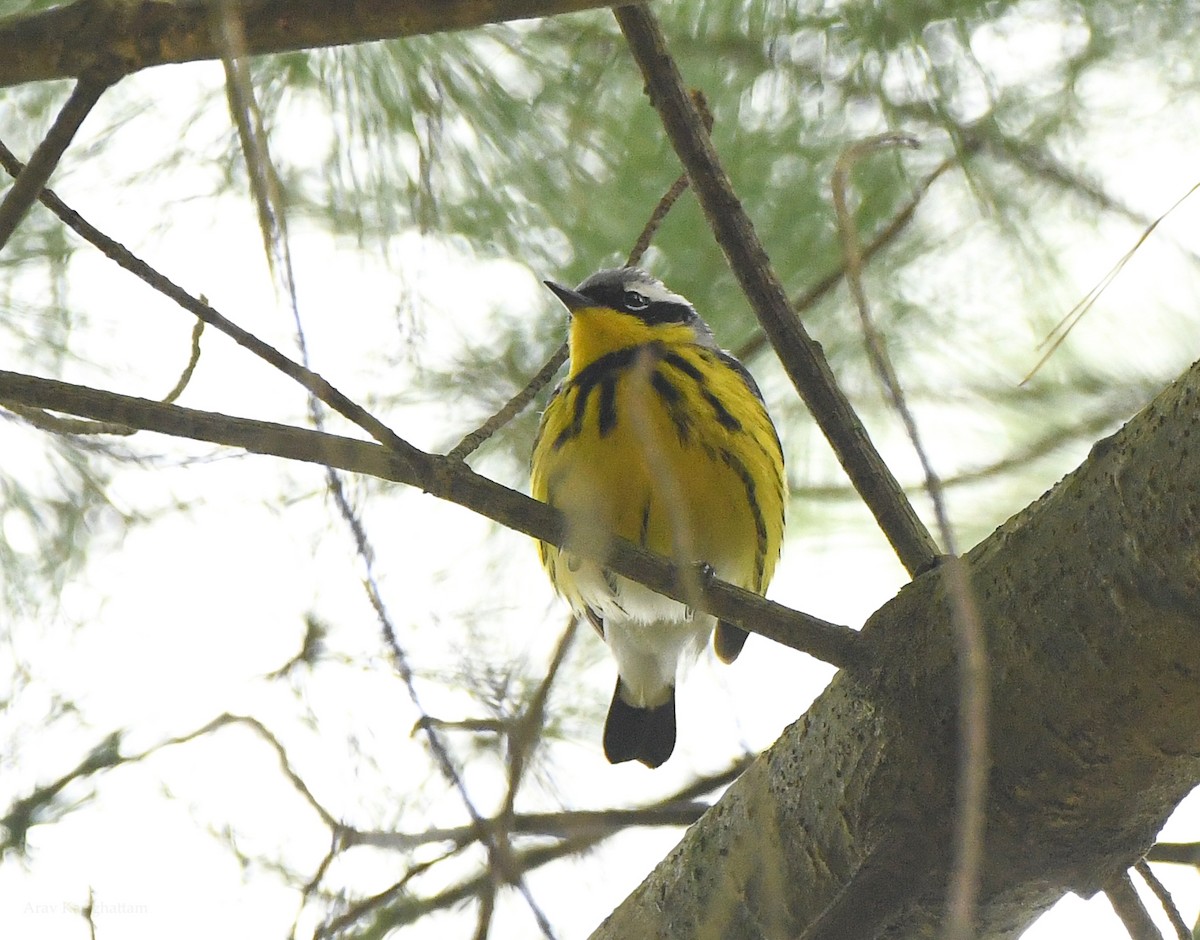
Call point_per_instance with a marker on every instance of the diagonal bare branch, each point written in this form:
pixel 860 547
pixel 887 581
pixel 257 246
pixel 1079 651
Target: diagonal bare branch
pixel 33 176
pixel 1182 931
pixel 313 383
pixel 801 356
pixel 511 408
pixel 1129 907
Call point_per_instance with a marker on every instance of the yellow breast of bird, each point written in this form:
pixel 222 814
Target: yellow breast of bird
pixel 668 447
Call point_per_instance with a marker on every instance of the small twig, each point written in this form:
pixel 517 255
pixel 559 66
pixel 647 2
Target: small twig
pixel 247 118
pixel 567 824
pixel 670 197
pixel 970 817
pixel 513 407
pixel 527 731
pixel 488 726
pixel 1063 328
pixel 30 180
pixel 190 368
pixel 87 913
pixel 228 719
pixel 314 883
pixel 45 421
pixel 1182 931
pixel 335 926
pixel 1129 908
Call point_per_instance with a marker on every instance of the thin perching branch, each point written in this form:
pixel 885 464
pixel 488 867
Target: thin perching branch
pixel 456 483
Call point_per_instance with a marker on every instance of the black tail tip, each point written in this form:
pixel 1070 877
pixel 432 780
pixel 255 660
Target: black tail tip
pixel 728 641
pixel 642 734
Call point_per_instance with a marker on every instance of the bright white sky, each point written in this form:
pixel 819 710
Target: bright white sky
pixel 179 621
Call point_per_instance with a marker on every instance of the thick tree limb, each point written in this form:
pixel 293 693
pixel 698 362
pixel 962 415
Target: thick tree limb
pixel 66 41
pixel 450 480
pixel 1091 601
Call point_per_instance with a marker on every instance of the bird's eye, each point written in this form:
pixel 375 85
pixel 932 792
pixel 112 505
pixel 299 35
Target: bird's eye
pixel 635 301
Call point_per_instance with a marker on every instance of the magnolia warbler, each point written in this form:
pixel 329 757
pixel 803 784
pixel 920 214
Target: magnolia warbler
pixel 658 436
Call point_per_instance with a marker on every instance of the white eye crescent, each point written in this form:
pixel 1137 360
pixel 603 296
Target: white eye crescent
pixel 634 301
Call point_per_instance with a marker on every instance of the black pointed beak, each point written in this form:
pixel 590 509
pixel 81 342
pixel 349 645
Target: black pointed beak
pixel 572 299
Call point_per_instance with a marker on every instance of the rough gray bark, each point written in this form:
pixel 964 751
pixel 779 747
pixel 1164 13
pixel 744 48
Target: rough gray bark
pixel 1091 600
pixel 70 40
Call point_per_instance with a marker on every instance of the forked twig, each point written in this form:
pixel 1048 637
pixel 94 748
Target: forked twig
pixel 520 401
